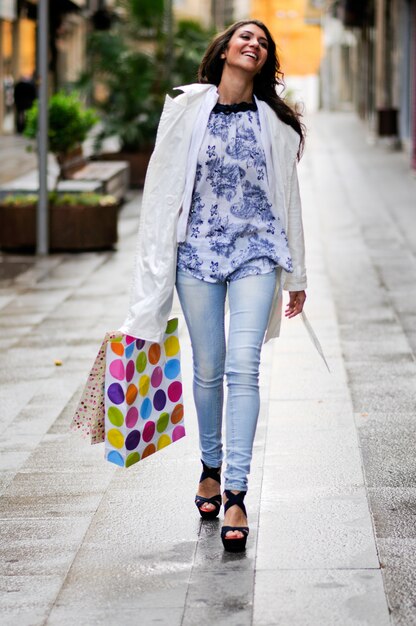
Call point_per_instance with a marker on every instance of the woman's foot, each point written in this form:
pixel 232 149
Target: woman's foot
pixel 235 531
pixel 208 498
pixel 234 516
pixel 207 489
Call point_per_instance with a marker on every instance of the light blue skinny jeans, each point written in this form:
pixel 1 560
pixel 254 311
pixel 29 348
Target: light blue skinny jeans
pixel 203 305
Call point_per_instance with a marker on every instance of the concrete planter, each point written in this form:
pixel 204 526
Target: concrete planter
pixel 71 227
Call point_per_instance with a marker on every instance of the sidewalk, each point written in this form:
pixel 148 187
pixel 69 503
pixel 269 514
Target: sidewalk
pixel 14 158
pixel 366 199
pixel 90 543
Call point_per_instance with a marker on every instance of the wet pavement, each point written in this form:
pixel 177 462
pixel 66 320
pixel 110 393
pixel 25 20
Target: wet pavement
pixel 331 500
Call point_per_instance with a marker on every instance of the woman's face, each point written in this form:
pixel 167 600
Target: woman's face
pixel 247 49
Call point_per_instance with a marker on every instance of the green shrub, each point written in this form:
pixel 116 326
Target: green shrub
pixel 84 198
pixel 19 199
pixel 133 105
pixel 69 122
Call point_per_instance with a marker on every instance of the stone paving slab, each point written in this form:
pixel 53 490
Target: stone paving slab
pixel 325 597
pixel 221 597
pixel 26 599
pixel 113 615
pixel 34 547
pixel 331 533
pixel 387 460
pixel 394 512
pixel 398 558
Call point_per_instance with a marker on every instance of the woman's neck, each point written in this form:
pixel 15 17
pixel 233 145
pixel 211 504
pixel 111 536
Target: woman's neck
pixel 234 88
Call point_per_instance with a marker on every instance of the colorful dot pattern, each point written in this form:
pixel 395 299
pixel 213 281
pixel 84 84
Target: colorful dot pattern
pixel 143 397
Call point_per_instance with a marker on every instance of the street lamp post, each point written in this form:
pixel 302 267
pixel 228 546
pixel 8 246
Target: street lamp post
pixel 169 37
pixel 42 218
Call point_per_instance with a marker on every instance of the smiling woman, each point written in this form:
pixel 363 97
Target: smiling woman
pixel 221 211
pixel 254 37
pixel 246 45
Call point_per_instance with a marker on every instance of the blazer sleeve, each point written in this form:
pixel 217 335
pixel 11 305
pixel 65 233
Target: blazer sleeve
pixel 296 280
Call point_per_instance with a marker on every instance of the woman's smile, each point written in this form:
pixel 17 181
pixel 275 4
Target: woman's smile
pixel 249 42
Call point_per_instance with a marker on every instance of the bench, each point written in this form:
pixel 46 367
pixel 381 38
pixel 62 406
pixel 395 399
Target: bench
pixel 98 176
pixel 113 176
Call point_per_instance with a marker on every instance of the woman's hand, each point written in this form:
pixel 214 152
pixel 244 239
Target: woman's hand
pixel 295 304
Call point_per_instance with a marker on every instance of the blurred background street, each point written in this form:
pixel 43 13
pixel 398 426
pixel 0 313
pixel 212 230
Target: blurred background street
pixel 332 492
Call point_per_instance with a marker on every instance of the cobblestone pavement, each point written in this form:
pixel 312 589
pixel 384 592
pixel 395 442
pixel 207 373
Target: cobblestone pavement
pixel 332 483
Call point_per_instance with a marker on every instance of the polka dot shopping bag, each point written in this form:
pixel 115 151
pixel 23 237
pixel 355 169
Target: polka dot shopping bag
pixel 143 396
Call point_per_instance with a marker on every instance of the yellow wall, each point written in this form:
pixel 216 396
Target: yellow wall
pixel 27 40
pixel 199 10
pixel 6 41
pixel 299 45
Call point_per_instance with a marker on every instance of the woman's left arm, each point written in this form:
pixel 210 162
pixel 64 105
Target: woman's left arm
pixel 295 304
pixel 296 281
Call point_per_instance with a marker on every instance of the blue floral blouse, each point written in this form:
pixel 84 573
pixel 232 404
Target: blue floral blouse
pixel 232 232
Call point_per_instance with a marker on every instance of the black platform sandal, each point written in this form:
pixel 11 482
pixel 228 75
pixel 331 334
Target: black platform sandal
pixel 230 544
pixel 209 472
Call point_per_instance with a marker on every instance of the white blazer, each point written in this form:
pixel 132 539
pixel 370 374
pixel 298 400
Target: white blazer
pixel 167 198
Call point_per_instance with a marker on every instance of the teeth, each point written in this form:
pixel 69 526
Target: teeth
pixel 250 54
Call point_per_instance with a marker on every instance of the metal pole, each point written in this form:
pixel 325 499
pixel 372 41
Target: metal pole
pixel 413 100
pixel 169 38
pixel 42 221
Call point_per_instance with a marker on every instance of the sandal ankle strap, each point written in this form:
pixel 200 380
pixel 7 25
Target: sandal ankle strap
pixel 210 472
pixel 235 498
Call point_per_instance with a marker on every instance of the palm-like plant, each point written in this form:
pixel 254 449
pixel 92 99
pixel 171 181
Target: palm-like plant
pixel 129 63
pixel 190 43
pixel 130 108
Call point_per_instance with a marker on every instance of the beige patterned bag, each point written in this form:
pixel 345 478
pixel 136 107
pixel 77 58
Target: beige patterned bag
pixel 88 419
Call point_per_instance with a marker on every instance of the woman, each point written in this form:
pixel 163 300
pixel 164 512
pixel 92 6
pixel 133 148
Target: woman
pixel 221 214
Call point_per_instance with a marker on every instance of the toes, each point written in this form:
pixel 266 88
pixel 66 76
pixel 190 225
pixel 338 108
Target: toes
pixel 207 507
pixel 234 534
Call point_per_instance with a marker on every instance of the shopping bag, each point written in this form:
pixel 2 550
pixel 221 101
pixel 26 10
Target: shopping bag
pixel 143 397
pixel 88 419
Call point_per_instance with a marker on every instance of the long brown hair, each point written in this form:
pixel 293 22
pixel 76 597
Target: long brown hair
pixel 265 82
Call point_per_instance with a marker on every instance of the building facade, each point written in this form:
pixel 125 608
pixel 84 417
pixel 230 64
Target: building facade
pixel 295 26
pixel 370 65
pixel 18 54
pixel 18 31
pixel 212 13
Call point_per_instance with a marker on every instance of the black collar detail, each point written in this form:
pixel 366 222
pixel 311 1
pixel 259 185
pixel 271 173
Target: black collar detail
pixel 239 107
